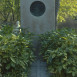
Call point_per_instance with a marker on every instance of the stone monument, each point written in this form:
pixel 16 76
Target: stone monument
pixel 39 17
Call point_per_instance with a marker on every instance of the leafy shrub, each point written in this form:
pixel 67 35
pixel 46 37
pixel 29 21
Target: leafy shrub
pixel 16 53
pixel 59 50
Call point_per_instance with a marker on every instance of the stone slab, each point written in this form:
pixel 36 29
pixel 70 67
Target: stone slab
pixel 41 24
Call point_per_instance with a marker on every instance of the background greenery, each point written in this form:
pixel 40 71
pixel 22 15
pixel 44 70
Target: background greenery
pixel 9 11
pixel 68 8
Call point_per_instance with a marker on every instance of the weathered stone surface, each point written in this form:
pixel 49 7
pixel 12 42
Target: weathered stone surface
pixel 40 24
pixel 39 69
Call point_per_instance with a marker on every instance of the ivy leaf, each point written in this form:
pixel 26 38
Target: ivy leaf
pixel 73 74
pixel 12 59
pixel 8 67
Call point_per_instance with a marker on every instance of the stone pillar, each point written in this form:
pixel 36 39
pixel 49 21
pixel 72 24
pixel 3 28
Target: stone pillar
pixel 39 17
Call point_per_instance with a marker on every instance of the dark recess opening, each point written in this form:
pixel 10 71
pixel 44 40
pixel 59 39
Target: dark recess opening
pixel 37 8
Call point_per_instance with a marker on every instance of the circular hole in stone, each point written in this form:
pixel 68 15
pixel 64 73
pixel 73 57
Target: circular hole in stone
pixel 37 8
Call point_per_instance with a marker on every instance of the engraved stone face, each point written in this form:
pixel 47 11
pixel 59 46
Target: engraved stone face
pixel 37 8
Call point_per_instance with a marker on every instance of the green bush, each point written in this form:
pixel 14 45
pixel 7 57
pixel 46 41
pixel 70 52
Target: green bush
pixel 16 53
pixel 59 50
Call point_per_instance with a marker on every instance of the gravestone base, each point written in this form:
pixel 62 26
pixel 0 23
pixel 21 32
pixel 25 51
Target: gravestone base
pixel 39 69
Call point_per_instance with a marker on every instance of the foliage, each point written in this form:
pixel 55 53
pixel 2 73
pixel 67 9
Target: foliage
pixel 59 49
pixel 6 30
pixel 68 8
pixel 9 11
pixel 16 53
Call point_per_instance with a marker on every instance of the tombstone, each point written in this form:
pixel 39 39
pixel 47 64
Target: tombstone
pixel 39 17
